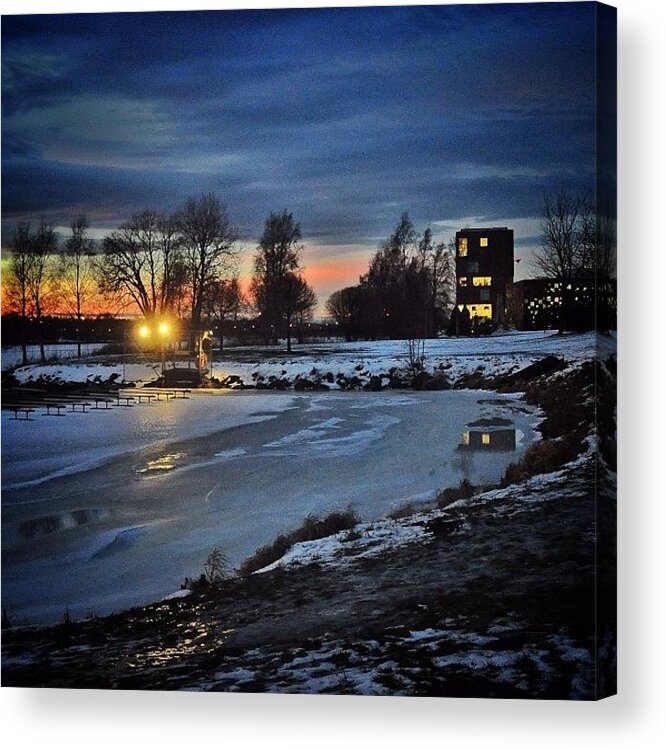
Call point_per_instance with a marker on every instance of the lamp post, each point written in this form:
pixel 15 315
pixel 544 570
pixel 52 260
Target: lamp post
pixel 163 329
pixel 143 332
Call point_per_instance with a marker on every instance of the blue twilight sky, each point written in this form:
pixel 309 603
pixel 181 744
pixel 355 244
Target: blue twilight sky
pixel 347 117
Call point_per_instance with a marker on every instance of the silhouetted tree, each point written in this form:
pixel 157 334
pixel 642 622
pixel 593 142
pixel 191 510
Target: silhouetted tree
pixel 143 264
pixel 42 275
pixel 208 240
pixel 409 284
pixel 18 278
pixel 77 272
pixel 464 327
pixel 304 303
pixel 224 298
pixel 567 249
pixel 345 306
pixel 276 264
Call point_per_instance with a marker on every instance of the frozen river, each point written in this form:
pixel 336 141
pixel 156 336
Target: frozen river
pixel 106 510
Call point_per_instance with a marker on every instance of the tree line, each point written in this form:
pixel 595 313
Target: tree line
pixel 407 292
pixel 182 264
pixel 578 241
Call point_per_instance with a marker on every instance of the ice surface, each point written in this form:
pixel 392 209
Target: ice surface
pixel 230 469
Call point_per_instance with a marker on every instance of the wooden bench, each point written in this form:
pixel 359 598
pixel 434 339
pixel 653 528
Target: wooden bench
pixel 31 405
pixel 83 404
pixel 106 399
pixel 153 393
pixel 58 409
pixel 27 410
pixel 126 399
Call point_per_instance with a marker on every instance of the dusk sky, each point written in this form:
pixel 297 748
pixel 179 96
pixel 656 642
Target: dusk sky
pixel 460 115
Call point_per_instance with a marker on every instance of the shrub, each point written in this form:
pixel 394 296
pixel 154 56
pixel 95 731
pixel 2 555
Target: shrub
pixel 216 566
pixel 464 490
pixel 542 457
pixel 409 509
pixel 402 511
pixel 313 527
pixel 352 535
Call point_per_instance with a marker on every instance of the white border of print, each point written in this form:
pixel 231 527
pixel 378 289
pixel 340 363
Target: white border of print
pixel 68 719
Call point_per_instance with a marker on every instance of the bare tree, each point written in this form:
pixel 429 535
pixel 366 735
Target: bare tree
pixel 174 270
pixel 436 266
pixel 223 300
pixel 208 239
pixel 42 275
pixel 567 243
pixel 18 279
pixel 77 272
pixel 443 270
pixel 606 242
pixel 305 305
pixel 142 264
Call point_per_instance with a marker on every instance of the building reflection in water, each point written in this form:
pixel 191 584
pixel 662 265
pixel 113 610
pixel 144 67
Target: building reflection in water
pixel 489 440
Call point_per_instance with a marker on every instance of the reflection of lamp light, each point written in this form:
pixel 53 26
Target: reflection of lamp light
pixel 144 331
pixel 163 328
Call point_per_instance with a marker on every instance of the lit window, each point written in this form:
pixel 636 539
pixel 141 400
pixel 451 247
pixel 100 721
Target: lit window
pixel 485 438
pixel 482 280
pixel 462 281
pixel 465 438
pixel 462 247
pixel 483 242
pixel 480 311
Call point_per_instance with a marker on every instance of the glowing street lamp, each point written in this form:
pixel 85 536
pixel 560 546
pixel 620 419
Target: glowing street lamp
pixel 144 331
pixel 164 329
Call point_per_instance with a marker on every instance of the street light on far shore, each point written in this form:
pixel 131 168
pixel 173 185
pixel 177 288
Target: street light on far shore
pixel 162 331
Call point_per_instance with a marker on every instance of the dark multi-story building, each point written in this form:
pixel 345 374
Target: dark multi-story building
pixel 484 270
pixel 538 304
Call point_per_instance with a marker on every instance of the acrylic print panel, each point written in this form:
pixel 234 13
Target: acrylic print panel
pixel 308 366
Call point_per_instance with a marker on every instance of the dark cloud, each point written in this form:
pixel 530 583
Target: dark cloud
pixel 345 116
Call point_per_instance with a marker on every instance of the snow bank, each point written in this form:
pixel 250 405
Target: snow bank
pixel 491 355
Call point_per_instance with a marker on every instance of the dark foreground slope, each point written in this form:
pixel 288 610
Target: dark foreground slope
pixel 492 597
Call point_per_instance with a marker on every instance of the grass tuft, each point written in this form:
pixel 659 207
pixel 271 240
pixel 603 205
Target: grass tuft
pixel 313 527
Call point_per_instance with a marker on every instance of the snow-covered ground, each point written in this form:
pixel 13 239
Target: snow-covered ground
pixel 493 354
pixel 11 355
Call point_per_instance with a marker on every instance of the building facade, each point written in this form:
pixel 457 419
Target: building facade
pixel 538 304
pixel 484 271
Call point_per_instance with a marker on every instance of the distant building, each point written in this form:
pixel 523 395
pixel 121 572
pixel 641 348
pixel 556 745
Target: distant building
pixel 484 270
pixel 536 304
